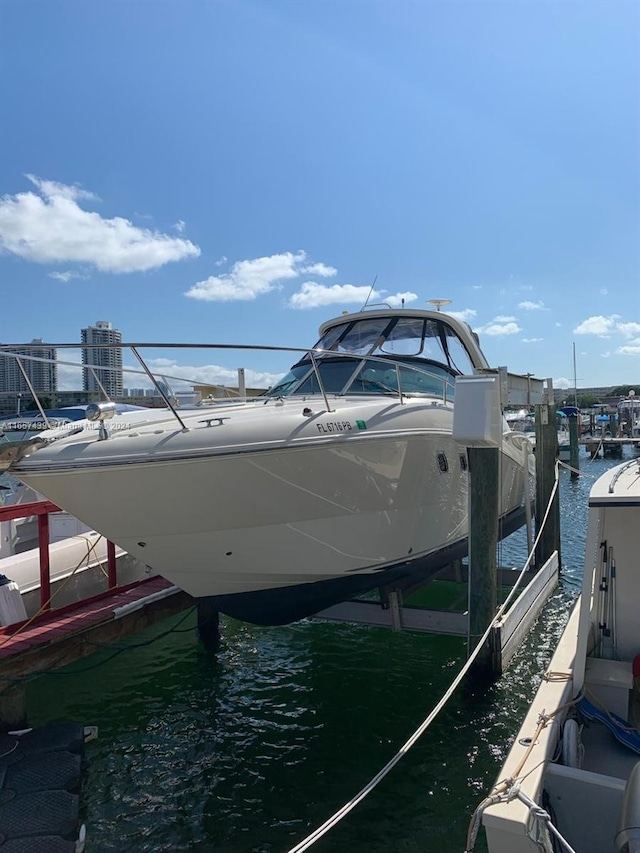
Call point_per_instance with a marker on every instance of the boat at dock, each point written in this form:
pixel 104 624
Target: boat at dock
pixel 342 477
pixel 572 778
pixel 523 420
pixel 77 557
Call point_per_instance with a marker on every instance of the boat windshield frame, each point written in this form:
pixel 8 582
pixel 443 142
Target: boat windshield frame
pixel 389 355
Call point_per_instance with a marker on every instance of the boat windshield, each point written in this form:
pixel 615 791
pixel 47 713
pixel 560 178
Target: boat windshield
pixel 384 355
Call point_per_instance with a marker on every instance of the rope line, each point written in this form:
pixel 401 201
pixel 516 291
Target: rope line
pixel 91 546
pixel 342 812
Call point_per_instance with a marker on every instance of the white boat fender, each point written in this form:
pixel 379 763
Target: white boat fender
pixel 11 604
pixel 571 752
pixel 627 838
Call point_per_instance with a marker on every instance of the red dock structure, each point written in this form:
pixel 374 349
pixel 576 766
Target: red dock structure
pixel 56 637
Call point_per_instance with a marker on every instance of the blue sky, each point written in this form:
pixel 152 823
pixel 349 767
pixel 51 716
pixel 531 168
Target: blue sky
pixel 238 171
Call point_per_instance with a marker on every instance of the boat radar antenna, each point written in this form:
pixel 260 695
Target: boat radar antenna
pixel 370 292
pixel 439 302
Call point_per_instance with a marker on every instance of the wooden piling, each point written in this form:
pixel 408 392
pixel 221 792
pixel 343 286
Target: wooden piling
pixel 574 447
pixel 13 707
pixel 484 489
pixel 546 455
pixel 208 624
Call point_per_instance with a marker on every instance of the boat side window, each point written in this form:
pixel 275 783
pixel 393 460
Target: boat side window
pixel 452 351
pixel 406 337
pixel 334 372
pixel 288 382
pixel 356 338
pixel 419 378
pixel 429 379
pixel 429 339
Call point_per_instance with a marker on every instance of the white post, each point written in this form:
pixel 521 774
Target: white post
pixel 242 390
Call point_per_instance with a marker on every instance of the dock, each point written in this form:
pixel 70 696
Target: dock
pixel 62 636
pixel 41 769
pixel 609 447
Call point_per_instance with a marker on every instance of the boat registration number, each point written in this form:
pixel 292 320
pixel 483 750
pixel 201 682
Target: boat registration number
pixel 335 426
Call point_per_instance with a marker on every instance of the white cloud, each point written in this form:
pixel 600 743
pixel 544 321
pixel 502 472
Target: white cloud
pixel 50 227
pixel 604 291
pixel 66 276
pixel 499 329
pixel 161 362
pixel 532 306
pixel 322 270
pixel 396 300
pixel 313 295
pixel 628 330
pixel 597 325
pixel 476 287
pixel 531 340
pixel 465 316
pixel 183 376
pixel 252 278
pixel 503 319
pixel 562 382
pixel 179 226
pixel 605 327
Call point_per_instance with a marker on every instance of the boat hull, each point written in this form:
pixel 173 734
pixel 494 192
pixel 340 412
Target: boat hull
pixel 267 520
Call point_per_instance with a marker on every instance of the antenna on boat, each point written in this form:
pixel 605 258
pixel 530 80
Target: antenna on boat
pixel 575 378
pixel 366 302
pixel 439 302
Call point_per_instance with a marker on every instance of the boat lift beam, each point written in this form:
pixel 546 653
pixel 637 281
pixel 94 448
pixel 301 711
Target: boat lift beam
pixel 518 389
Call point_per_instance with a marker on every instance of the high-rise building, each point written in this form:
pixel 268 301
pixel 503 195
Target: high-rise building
pixel 106 359
pixel 43 375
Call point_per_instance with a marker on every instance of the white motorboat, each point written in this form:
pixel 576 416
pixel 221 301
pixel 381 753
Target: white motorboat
pixel 341 478
pixel 572 778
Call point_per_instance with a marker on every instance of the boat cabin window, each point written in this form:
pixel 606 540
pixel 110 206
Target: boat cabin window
pixel 423 354
pixel 400 336
pixel 358 338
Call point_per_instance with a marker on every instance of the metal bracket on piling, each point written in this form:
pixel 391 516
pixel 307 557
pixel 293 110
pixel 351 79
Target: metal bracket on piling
pixel 395 609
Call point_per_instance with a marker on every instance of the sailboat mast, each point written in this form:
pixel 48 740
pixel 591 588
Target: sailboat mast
pixel 575 378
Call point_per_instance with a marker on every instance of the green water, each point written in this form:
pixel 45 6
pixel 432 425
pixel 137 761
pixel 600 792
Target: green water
pixel 248 749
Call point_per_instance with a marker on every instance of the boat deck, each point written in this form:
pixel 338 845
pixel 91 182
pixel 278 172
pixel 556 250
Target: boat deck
pixel 603 753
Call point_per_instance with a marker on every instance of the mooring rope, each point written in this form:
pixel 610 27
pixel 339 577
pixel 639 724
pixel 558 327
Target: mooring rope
pixel 91 546
pixel 342 812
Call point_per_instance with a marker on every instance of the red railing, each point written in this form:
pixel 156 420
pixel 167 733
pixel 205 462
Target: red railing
pixel 41 509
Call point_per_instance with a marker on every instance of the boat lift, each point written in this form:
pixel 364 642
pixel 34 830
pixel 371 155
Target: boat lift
pixel 468 593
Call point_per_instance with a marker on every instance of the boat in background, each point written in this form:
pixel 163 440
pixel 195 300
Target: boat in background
pixel 574 767
pixel 342 477
pixel 33 421
pixel 77 557
pixel 523 421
